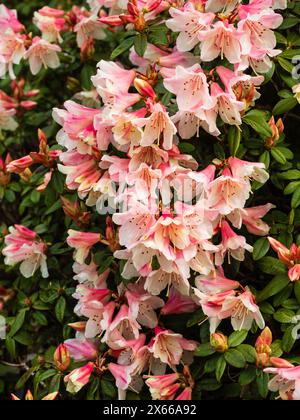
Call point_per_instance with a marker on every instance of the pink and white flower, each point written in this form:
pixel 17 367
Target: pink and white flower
pixel 42 53
pixel 169 346
pixel 50 22
pixel 189 23
pixel 82 242
pixel 78 378
pixel 23 245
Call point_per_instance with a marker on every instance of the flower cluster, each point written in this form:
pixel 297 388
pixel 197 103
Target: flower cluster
pixel 18 44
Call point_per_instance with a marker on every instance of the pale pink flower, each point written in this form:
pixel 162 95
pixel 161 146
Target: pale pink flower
pixel 232 244
pixel 78 127
pixel 228 106
pixel 78 378
pixel 212 306
pixel 169 346
pixel 189 123
pixel 99 317
pixel 178 304
pixel 201 259
pixel 8 19
pixel 42 53
pixel 12 51
pixel 122 329
pixel 286 381
pixel 163 387
pixel 81 349
pixel 152 155
pixel 223 39
pixel 214 283
pixel 82 171
pixel 82 242
pixel 243 311
pixel 239 85
pixel 191 88
pixel 224 6
pixel 158 126
pixel 7 122
pixel 50 22
pixel 126 133
pixel 252 170
pixel 252 219
pixel 227 193
pixel 135 223
pixel 23 245
pixel 88 274
pixel 89 26
pixel 159 279
pixel 122 375
pixel 257 31
pixel 112 77
pixel 168 235
pixel 279 4
pixel 190 23
pixel 142 305
pixel 296 91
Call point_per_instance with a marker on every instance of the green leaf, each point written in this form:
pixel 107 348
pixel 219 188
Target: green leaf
pixel 288 340
pixel 140 44
pixel 258 121
pixel 289 22
pixel 11 346
pixel 284 105
pixel 235 358
pixel 234 139
pixel 187 148
pixel 19 321
pixel 237 338
pixel 248 352
pixel 85 76
pixel 108 389
pixel 247 376
pixel 124 46
pixel 55 383
pixel 285 64
pixel 24 378
pixel 265 158
pixel 284 316
pixel 296 199
pixel 271 265
pixel 220 368
pixel 297 291
pixel 196 318
pixel 292 174
pixel 204 350
pixel 275 286
pixel 262 380
pixel 278 156
pixel 60 309
pixel 260 248
pixel 57 205
pixel 291 187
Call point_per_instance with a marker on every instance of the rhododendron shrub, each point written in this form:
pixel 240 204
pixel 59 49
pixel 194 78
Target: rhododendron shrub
pixel 150 193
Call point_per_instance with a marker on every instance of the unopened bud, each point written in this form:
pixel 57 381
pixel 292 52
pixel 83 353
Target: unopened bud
pixel 219 342
pixel 144 88
pixel 62 358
